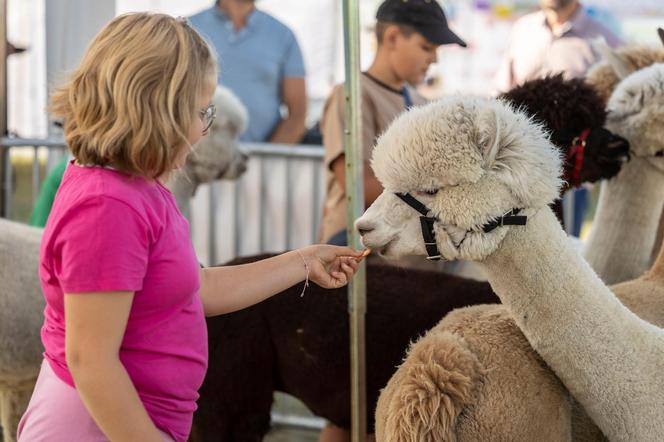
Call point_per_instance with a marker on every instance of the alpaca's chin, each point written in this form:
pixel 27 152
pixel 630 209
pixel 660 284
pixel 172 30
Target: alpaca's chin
pixel 381 248
pixel 235 171
pixel 657 162
pixel 388 252
pixel 396 249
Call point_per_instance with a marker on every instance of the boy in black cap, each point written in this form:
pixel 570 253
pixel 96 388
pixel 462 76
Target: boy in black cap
pixel 409 33
pixel 426 17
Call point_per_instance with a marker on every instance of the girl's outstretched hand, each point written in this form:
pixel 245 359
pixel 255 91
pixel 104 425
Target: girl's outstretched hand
pixel 331 267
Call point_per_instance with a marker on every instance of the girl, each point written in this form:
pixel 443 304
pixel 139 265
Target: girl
pixel 124 329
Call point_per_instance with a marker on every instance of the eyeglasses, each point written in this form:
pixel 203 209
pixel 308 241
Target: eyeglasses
pixel 207 117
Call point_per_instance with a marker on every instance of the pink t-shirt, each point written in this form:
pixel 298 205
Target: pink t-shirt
pixel 109 231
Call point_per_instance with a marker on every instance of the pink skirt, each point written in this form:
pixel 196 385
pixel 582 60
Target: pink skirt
pixel 56 413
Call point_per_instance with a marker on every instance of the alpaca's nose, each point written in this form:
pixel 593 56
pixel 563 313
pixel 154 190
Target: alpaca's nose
pixel 364 227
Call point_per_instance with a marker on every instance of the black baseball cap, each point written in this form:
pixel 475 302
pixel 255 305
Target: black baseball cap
pixel 426 16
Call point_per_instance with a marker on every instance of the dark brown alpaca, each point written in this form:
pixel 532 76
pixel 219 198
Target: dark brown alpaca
pixel 300 345
pixel 567 108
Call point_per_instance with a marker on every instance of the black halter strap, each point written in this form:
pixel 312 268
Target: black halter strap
pixel 426 223
pixel 414 203
pixel 511 218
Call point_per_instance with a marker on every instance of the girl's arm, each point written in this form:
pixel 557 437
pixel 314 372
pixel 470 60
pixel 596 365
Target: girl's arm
pixel 226 289
pixel 94 327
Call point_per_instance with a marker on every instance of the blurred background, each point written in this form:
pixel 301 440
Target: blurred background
pixel 56 32
pixel 257 214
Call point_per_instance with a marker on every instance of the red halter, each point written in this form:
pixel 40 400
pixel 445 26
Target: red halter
pixel 577 151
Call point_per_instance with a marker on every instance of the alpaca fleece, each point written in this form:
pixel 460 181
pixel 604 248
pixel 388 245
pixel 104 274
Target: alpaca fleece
pixel 603 353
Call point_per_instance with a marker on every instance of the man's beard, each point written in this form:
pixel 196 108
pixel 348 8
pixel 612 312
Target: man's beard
pixel 239 1
pixel 555 5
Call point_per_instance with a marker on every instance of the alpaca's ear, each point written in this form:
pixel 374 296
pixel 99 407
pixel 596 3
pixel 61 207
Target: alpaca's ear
pixel 619 65
pixel 660 32
pixel 488 136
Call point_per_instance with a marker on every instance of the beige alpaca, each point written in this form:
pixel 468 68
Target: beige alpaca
pixel 622 241
pixel 482 160
pixel 603 76
pixel 482 349
pixel 474 377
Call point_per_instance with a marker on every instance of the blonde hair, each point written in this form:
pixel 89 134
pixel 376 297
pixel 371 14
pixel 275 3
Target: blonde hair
pixel 134 97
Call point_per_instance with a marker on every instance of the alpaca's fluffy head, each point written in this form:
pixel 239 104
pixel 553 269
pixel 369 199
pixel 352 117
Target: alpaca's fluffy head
pixel 603 76
pixel 636 112
pixel 217 155
pixel 469 160
pixel 566 108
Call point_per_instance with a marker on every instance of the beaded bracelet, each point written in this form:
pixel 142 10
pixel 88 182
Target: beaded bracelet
pixel 306 267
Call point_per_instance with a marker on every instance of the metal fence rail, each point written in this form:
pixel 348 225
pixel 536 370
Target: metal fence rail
pixel 29 147
pixel 276 205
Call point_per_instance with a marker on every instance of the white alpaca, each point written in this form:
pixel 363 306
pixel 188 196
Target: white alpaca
pixel 621 242
pixel 511 393
pixel 470 161
pixel 21 300
pixel 21 317
pixel 208 162
pixel 604 79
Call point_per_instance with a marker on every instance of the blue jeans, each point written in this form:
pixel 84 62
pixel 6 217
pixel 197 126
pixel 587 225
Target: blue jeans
pixel 580 206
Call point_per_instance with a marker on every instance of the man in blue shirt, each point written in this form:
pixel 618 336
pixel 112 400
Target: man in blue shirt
pixel 261 62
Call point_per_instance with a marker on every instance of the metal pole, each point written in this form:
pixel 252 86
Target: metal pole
pixel 355 195
pixel 4 153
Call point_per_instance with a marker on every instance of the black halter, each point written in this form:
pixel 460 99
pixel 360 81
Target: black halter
pixel 511 218
pixel 426 223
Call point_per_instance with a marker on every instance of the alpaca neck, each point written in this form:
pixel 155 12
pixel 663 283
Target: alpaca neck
pixel 183 188
pixel 659 238
pixel 657 270
pixel 621 242
pixel 591 341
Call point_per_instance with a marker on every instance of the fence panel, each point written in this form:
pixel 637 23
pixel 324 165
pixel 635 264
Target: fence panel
pixel 275 206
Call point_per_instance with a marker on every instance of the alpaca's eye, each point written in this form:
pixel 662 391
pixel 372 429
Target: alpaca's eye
pixel 429 192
